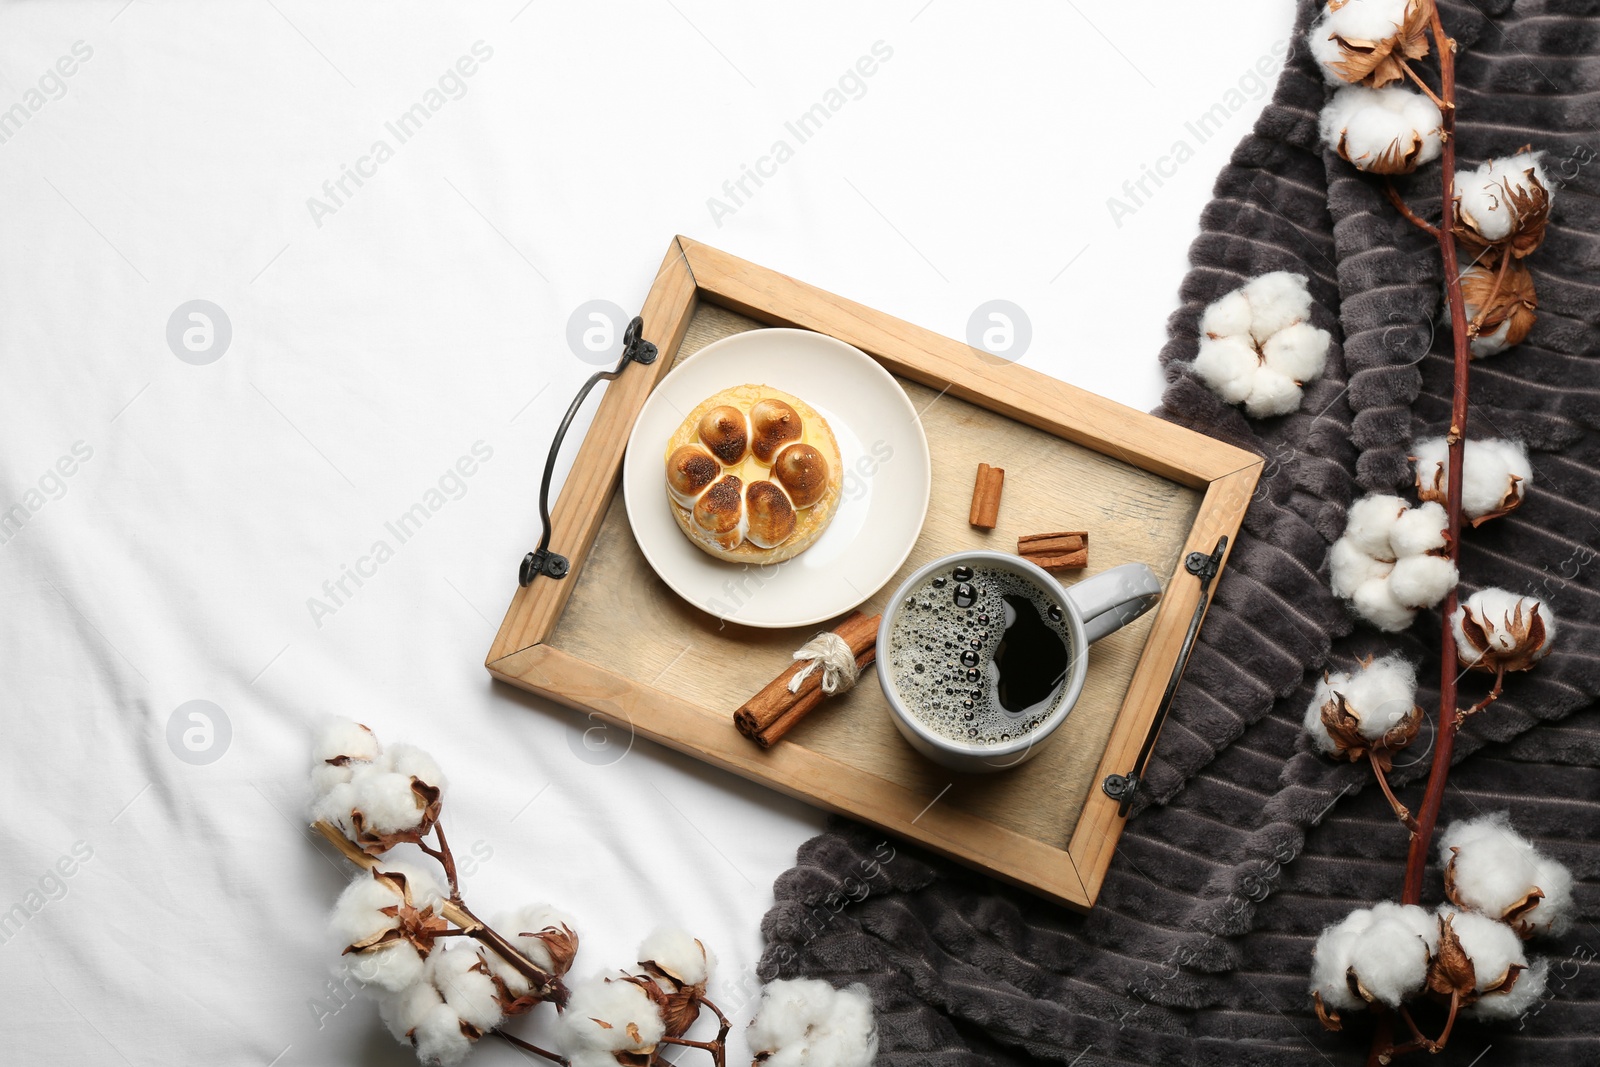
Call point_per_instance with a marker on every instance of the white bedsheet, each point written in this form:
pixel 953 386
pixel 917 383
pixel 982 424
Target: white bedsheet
pixel 180 515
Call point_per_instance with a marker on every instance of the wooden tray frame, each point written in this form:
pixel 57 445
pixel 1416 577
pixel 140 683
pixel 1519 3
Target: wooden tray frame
pixel 694 272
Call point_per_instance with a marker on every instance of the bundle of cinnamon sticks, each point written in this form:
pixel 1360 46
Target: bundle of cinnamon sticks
pixel 774 711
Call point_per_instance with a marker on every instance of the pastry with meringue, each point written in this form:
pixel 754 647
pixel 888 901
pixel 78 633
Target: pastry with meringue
pixel 753 475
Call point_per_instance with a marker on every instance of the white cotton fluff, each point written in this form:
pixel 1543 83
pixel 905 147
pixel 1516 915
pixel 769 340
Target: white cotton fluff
pixel 439 1038
pixel 1387 947
pixel 617 1004
pixel 1272 394
pixel 680 955
pixel 1375 602
pixel 403 1011
pixel 357 916
pixel 1390 956
pixel 1298 351
pixel 1228 365
pixel 460 975
pixel 385 799
pixel 1228 316
pixel 1278 300
pixel 1382 563
pixel 409 761
pixel 1349 568
pixel 1257 349
pixel 527 920
pixel 1530 986
pixel 1358 20
pixel 1497 608
pixel 808 1023
pixel 1380 695
pixel 1422 581
pixel 1371 124
pixel 1481 198
pixel 1420 530
pixel 1371 521
pixel 1487 472
pixel 1494 868
pixel 1492 946
pixel 339 739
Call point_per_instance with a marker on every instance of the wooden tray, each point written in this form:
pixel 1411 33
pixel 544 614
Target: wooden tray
pixel 612 639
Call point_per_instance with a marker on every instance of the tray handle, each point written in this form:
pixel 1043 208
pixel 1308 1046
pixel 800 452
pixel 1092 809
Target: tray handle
pixel 635 349
pixel 1123 787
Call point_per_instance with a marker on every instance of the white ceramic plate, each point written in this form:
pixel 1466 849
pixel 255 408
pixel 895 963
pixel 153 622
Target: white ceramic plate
pixel 886 479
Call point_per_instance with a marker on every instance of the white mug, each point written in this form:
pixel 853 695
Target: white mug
pixel 1090 610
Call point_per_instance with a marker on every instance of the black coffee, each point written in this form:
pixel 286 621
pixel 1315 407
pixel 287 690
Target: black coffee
pixel 979 654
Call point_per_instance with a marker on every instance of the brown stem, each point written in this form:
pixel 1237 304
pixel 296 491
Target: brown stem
pixel 1499 280
pixel 1401 812
pixel 1494 694
pixel 1424 85
pixel 1449 1023
pixel 446 860
pixel 1444 747
pixel 1405 210
pixel 545 985
pixel 717 1048
pixel 528 1046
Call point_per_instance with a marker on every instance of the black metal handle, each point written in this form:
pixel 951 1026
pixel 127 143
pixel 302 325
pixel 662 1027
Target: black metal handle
pixel 635 349
pixel 1123 787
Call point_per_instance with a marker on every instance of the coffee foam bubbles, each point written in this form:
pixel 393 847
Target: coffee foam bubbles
pixel 930 635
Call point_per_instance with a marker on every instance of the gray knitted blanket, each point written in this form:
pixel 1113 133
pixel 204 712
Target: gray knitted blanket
pixel 1247 844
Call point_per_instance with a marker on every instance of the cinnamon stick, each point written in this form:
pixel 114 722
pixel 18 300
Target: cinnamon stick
pixel 774 711
pixel 986 497
pixel 1067 550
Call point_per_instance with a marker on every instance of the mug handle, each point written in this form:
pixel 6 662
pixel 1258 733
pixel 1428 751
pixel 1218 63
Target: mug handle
pixel 1112 599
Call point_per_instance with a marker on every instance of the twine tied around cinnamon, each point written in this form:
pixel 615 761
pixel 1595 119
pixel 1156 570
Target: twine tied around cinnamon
pixel 840 653
pixel 834 655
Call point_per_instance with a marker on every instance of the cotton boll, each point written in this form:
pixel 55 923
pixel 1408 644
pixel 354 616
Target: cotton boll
pixel 439 1038
pixel 1277 300
pixel 386 800
pixel 1363 20
pixel 1381 695
pixel 1348 567
pixel 1330 961
pixel 635 1024
pixel 1420 530
pixel 807 1023
pixel 1488 344
pixel 334 805
pixel 1272 394
pixel 1492 869
pixel 1298 351
pixel 1228 367
pixel 342 739
pixel 425 889
pixel 1229 316
pixel 409 761
pixel 520 927
pixel 1375 602
pixel 1528 989
pixel 392 966
pixel 1481 195
pixel 1506 619
pixel 1492 946
pixel 682 957
pixel 461 976
pixel 403 1012
pixel 1326 691
pixel 1422 581
pixel 357 914
pixel 1387 131
pixel 1370 522
pixel 1389 958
